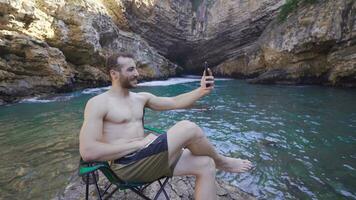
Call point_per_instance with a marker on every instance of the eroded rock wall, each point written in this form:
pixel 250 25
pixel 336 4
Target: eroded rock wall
pixel 314 45
pixel 55 45
pixel 211 30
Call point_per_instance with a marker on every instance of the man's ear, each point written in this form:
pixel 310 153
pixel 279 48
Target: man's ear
pixel 114 74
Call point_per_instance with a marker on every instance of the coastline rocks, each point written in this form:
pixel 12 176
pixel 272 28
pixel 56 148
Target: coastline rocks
pixel 178 188
pixel 241 39
pixel 315 45
pixel 29 66
pixel 51 46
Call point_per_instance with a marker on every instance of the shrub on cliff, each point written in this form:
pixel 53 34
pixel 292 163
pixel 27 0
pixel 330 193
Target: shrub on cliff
pixel 292 5
pixel 196 3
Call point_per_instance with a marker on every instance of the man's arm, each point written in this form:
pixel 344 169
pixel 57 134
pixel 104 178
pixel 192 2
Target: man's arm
pixel 181 101
pixel 91 147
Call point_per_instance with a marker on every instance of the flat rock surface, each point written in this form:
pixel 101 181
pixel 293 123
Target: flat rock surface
pixel 177 188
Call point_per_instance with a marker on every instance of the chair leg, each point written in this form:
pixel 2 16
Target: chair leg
pixel 87 188
pixel 144 187
pixel 107 187
pixel 162 189
pixel 96 185
pixel 111 193
pixel 139 193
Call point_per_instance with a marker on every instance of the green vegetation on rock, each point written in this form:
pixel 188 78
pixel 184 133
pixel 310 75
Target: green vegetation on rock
pixel 196 3
pixel 292 5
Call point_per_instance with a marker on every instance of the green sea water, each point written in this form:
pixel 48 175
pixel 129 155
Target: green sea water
pixel 301 139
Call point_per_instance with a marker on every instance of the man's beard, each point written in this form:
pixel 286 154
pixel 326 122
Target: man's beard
pixel 126 82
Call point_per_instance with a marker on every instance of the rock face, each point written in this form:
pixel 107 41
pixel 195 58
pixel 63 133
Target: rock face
pixel 58 45
pixel 178 188
pixel 28 64
pixel 315 45
pixel 55 45
pixel 207 30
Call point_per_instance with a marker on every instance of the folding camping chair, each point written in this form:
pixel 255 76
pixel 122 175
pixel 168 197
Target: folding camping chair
pixel 89 173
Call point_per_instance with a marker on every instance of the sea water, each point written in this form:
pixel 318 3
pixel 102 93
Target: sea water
pixel 301 139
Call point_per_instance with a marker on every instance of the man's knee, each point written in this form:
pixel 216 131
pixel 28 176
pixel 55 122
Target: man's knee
pixel 208 167
pixel 191 128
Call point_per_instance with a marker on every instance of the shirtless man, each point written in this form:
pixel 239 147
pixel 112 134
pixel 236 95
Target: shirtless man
pixel 113 130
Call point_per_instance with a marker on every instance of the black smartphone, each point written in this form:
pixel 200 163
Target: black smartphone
pixel 206 72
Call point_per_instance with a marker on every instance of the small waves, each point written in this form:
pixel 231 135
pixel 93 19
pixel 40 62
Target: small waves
pixel 175 81
pixel 170 81
pixel 36 100
pixel 46 99
pixel 95 91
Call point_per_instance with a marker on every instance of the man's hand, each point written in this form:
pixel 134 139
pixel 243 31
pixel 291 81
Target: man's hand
pixel 207 80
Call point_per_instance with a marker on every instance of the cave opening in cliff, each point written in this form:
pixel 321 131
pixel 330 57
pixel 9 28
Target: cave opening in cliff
pixel 182 55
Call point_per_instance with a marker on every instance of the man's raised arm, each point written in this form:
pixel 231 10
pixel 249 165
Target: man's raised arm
pixel 91 147
pixel 181 101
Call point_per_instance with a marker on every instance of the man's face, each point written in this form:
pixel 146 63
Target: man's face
pixel 128 74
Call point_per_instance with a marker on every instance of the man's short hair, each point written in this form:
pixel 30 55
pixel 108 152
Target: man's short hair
pixel 111 61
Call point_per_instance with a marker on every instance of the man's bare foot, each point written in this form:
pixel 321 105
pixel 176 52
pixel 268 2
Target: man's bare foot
pixel 234 165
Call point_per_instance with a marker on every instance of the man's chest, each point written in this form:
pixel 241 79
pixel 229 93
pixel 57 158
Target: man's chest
pixel 125 111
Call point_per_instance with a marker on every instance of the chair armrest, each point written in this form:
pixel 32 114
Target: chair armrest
pixel 156 130
pixel 87 167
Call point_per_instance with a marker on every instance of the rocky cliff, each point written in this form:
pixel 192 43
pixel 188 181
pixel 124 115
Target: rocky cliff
pixel 60 45
pixel 191 32
pixel 314 45
pixel 55 45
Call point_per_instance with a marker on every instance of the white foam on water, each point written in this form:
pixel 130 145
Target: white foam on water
pixel 192 76
pixel 170 81
pixel 175 81
pixel 36 100
pixel 95 90
pixel 49 100
pixel 66 97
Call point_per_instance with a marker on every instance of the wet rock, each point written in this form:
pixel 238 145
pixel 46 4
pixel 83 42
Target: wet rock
pixel 181 188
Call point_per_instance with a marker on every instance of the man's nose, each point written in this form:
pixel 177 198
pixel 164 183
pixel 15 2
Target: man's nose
pixel 136 73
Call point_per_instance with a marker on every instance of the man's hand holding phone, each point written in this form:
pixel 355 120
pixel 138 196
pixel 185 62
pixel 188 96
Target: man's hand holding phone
pixel 207 81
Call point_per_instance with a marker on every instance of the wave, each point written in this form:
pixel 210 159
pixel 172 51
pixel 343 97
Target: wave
pixel 175 81
pixel 66 97
pixel 199 77
pixel 42 99
pixel 95 90
pixel 36 100
pixel 170 81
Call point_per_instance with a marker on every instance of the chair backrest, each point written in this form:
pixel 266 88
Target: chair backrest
pixel 104 167
pixel 110 175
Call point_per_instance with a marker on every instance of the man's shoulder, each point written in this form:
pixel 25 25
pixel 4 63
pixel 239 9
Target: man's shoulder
pixel 98 102
pixel 145 95
pixel 98 98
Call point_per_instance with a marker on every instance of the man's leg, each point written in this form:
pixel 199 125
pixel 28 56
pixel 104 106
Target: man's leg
pixel 203 168
pixel 186 134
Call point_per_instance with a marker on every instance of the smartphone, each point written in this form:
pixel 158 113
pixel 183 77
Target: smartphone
pixel 206 72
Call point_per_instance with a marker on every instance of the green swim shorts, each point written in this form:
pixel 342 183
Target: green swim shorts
pixel 147 164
